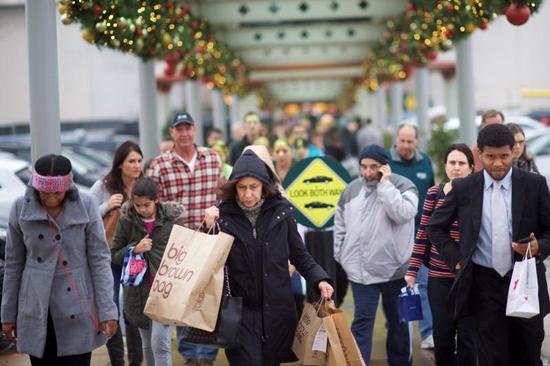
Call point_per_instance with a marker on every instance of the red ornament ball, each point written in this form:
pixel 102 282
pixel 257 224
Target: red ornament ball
pixel 97 9
pixel 483 25
pixel 169 69
pixel 518 14
pixel 410 7
pixel 194 24
pixel 431 55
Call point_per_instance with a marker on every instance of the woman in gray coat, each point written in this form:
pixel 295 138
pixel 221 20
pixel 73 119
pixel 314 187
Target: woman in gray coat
pixel 58 288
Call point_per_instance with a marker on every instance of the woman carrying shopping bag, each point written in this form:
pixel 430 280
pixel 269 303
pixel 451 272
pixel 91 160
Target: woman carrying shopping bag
pixel 144 228
pixel 266 238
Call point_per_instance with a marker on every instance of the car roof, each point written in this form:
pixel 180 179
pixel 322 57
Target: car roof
pixel 12 164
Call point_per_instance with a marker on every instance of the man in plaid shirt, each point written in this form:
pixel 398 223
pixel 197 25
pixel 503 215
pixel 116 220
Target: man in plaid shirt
pixel 188 174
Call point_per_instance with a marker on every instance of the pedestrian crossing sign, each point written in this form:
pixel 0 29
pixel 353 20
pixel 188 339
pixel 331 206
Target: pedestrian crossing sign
pixel 314 186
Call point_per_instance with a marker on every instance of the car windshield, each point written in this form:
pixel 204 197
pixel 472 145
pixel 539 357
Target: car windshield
pixel 538 143
pixel 24 174
pixel 80 162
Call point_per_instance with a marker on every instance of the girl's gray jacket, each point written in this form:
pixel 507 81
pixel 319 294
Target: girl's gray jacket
pixel 374 229
pixel 63 269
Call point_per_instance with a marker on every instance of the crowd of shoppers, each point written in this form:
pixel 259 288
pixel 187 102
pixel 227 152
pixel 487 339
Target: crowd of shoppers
pixel 394 227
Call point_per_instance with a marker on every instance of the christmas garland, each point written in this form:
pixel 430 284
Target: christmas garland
pixel 159 29
pixel 430 26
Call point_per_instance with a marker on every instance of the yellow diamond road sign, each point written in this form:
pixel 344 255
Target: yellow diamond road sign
pixel 316 191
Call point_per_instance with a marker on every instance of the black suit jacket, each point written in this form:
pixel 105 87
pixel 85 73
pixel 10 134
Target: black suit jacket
pixel 530 214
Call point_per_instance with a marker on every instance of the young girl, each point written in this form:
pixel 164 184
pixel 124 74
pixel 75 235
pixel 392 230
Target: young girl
pixel 145 226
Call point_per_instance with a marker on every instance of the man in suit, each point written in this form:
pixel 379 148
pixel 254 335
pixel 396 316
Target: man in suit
pixel 495 208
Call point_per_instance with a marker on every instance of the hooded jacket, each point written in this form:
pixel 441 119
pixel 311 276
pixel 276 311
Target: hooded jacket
pixel 374 229
pixel 258 271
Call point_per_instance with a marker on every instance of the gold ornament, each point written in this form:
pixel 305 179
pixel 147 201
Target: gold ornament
pixel 101 26
pixel 88 36
pixel 139 44
pixel 66 19
pixel 62 8
pixel 470 27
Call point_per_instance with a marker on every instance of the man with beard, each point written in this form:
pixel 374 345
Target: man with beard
pixel 373 236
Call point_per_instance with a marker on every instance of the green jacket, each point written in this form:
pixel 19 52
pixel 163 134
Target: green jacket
pixel 419 170
pixel 129 232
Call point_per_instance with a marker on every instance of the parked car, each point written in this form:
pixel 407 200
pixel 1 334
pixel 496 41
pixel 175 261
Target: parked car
pixel 538 145
pixel 528 124
pixel 86 170
pixel 15 175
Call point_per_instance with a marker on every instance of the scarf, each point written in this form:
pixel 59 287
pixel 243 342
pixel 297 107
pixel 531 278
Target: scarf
pixel 253 212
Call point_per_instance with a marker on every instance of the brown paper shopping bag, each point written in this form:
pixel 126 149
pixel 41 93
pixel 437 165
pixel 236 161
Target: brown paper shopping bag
pixel 342 348
pixel 309 336
pixel 187 288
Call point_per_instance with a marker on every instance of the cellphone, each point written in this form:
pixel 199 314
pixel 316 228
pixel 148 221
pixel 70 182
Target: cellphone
pixel 525 240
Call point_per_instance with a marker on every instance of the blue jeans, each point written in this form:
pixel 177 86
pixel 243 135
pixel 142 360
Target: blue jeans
pixel 157 344
pixel 398 340
pixel 425 325
pixel 191 351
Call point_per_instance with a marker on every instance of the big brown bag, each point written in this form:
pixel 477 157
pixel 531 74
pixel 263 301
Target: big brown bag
pixel 109 223
pixel 342 349
pixel 305 335
pixel 187 289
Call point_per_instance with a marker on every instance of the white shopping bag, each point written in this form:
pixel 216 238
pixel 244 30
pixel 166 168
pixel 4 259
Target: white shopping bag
pixel 523 294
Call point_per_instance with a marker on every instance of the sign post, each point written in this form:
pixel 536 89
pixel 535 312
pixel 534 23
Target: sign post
pixel 314 186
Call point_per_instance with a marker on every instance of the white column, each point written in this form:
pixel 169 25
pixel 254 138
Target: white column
pixel 163 111
pixel 451 96
pixel 379 119
pixel 234 109
pixel 45 123
pixel 396 103
pixel 218 112
pixel 177 96
pixel 422 96
pixel 466 104
pixel 193 107
pixel 148 130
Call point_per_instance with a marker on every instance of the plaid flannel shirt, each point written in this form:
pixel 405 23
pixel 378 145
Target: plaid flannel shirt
pixel 195 190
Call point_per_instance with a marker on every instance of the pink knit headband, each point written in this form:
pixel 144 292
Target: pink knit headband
pixel 51 184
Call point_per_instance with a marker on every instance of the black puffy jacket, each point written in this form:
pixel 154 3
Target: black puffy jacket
pixel 258 271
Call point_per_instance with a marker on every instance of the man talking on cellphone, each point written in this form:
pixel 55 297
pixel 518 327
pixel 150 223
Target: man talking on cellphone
pixel 497 209
pixel 373 236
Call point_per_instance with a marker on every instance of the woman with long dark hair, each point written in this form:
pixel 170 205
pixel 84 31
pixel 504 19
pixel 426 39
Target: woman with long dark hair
pixel 58 290
pixel 111 192
pixel 522 159
pixel 266 238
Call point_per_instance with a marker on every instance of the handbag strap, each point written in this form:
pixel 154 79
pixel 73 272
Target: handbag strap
pixel 528 253
pixel 226 278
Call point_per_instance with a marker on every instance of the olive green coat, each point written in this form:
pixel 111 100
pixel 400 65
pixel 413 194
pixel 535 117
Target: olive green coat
pixel 129 232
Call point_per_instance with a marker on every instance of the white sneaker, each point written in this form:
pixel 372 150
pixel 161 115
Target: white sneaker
pixel 427 343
